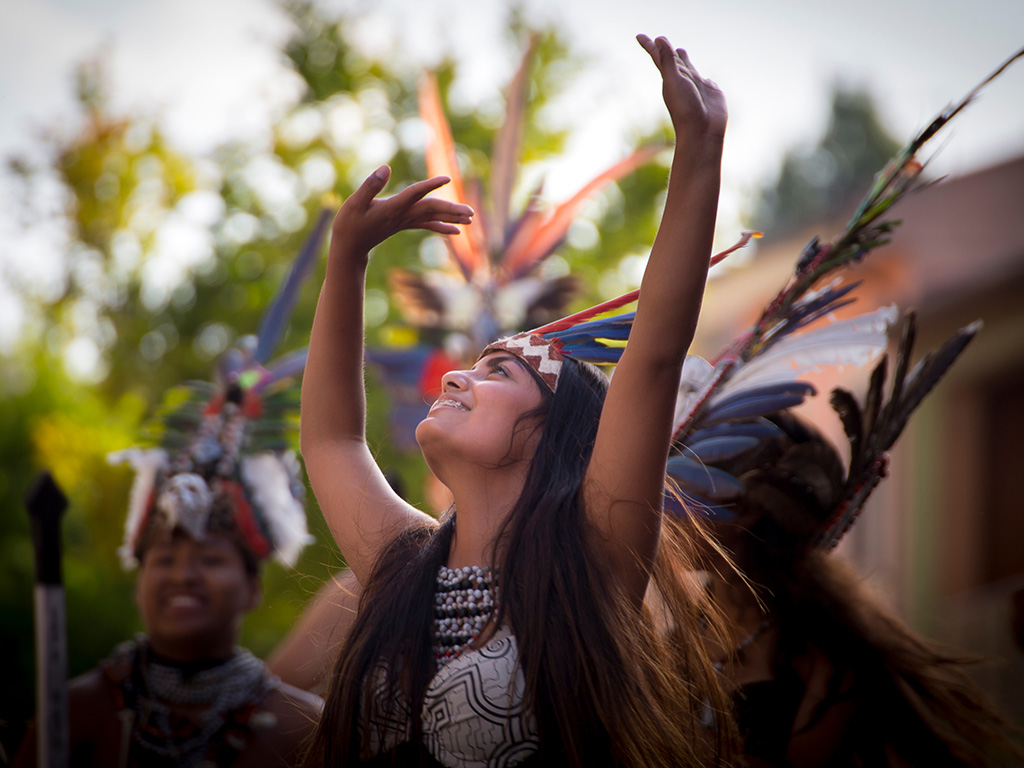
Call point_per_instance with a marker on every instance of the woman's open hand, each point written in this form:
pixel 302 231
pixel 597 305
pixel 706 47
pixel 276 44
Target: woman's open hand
pixel 696 106
pixel 364 221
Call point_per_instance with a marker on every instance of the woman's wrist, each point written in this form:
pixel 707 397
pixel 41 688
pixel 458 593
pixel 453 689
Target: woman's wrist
pixel 699 151
pixel 347 254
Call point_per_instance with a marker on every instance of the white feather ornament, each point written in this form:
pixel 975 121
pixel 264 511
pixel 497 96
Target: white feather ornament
pixel 269 480
pixel 856 341
pixel 147 463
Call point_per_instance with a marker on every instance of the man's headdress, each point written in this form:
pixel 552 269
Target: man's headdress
pixel 222 463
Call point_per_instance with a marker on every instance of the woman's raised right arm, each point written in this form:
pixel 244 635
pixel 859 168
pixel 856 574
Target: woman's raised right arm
pixel 361 510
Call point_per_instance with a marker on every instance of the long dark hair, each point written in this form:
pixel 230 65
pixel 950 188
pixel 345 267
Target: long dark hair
pixel 921 705
pixel 606 685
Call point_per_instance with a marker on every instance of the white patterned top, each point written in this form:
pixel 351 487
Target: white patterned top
pixel 473 711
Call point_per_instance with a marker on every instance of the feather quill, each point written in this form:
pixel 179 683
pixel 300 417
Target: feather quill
pixel 874 429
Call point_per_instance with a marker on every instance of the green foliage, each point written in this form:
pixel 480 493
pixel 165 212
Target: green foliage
pixel 818 183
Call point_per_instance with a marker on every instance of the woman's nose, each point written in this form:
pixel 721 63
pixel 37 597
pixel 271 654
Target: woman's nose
pixel 453 381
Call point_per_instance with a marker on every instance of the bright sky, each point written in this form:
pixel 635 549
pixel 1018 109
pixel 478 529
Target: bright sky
pixel 212 69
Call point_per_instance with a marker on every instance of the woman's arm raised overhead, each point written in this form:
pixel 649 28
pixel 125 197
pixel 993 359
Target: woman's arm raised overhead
pixel 624 486
pixel 362 511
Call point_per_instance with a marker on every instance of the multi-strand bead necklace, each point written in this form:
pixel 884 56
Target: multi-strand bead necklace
pixel 464 602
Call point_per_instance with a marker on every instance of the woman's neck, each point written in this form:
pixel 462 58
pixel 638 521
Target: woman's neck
pixel 482 508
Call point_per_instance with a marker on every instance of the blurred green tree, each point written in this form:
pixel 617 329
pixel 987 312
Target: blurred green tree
pixel 820 182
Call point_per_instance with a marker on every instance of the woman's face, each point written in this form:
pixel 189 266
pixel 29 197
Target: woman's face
pixel 193 595
pixel 477 415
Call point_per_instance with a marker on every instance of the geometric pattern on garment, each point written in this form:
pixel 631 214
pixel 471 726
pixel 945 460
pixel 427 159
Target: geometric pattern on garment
pixel 473 711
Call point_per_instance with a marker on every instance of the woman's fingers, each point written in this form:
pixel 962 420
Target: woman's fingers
pixel 687 94
pixel 656 48
pixel 648 45
pixel 371 186
pixel 441 210
pixel 671 62
pixel 448 213
pixel 685 57
pixel 420 189
pixel 440 228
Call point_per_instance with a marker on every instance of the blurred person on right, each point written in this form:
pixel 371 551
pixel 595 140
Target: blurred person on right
pixel 821 671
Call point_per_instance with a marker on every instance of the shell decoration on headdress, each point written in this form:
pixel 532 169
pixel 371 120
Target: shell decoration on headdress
pixel 725 407
pixel 224 462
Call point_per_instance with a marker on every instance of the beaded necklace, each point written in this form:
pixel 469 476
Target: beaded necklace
pixel 464 602
pixel 152 692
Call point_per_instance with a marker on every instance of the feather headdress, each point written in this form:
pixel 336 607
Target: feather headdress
pixel 223 463
pixel 728 411
pixel 583 336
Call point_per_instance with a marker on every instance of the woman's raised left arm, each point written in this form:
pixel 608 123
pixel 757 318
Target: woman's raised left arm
pixel 624 486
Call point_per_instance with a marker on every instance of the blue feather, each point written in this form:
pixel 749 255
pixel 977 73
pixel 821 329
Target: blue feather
pixel 611 332
pixel 704 481
pixel 713 512
pixel 808 309
pixel 803 319
pixel 754 406
pixel 595 327
pixel 597 355
pixel 280 309
pixel 717 449
pixel 796 387
pixel 759 430
pixel 287 366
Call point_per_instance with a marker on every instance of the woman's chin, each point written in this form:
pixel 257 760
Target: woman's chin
pixel 431 437
pixel 424 430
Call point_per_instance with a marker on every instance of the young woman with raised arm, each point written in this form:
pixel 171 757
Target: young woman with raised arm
pixel 515 631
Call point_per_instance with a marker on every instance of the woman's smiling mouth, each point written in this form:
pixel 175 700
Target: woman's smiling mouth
pixel 448 402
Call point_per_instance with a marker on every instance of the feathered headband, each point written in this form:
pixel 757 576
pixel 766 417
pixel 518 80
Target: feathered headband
pixel 726 409
pixel 583 336
pixel 223 463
